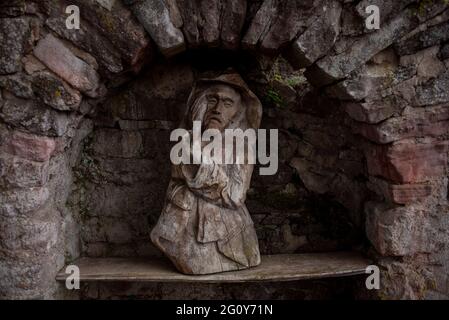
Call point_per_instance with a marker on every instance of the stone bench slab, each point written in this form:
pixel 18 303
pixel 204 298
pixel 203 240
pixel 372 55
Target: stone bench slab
pixel 274 268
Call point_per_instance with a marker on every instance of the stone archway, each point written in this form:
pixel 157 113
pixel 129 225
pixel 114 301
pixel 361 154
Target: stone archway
pixel 392 84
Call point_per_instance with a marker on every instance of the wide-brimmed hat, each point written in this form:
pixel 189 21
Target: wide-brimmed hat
pixel 234 80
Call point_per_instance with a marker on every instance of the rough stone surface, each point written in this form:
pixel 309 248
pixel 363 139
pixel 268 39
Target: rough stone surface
pixel 12 8
pixel 424 39
pixel 23 201
pixel 14 33
pixel 430 122
pixel 365 83
pixel 28 146
pixel 91 40
pixel 444 52
pixel 167 85
pixel 319 37
pixel 232 20
pixel 408 162
pixel 155 17
pixel 277 23
pixel 403 193
pixel 34 117
pixel 55 93
pixel 22 173
pixel 398 231
pixel 58 58
pixel 121 28
pixel 336 67
pixel 370 112
pixel 212 23
pixel 434 91
pixel 19 85
pixel 426 63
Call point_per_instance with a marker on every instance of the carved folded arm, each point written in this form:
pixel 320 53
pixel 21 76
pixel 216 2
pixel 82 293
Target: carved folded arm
pixel 213 183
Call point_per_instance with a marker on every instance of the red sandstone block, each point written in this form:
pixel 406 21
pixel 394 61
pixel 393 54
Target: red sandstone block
pixel 402 193
pixel 58 58
pixel 430 122
pixel 16 172
pixel 409 193
pixel 407 161
pixel 30 146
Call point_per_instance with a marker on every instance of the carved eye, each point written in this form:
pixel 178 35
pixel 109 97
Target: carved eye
pixel 228 103
pixel 211 101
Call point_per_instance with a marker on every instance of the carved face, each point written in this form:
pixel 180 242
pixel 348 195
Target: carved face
pixel 223 103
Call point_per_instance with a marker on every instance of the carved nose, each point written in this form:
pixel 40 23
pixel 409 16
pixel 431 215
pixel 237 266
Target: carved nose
pixel 219 107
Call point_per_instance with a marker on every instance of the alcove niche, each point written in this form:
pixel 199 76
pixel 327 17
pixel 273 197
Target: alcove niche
pixel 123 169
pixel 85 118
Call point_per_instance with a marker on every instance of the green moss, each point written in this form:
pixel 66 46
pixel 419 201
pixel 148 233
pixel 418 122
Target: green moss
pixel 295 81
pixel 58 93
pixel 68 257
pixel 107 21
pixel 281 75
pixel 278 77
pixel 424 5
pixel 87 171
pixel 272 96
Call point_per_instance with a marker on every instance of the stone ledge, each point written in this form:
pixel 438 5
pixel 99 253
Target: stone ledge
pixel 282 267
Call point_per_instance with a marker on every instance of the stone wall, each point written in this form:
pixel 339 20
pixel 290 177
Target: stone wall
pixel 48 84
pixel 85 116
